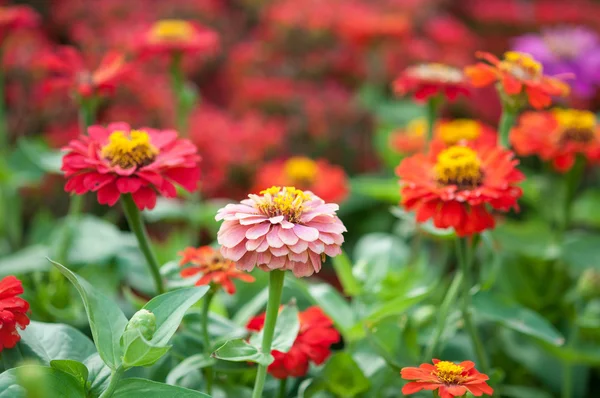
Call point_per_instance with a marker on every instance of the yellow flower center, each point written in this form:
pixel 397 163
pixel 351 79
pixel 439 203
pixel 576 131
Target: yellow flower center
pixel 460 166
pixel 449 372
pixel 459 130
pixel 133 150
pixel 301 170
pixel 172 29
pixel 216 263
pixel 575 125
pixel 417 128
pixel 286 201
pixel 521 65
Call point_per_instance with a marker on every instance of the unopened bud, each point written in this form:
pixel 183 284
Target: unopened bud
pixel 144 321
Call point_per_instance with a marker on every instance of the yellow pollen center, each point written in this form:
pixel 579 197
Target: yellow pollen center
pixel 301 170
pixel 286 201
pixel 449 372
pixel 459 130
pixel 216 263
pixel 172 29
pixel 133 150
pixel 460 166
pixel 575 125
pixel 521 65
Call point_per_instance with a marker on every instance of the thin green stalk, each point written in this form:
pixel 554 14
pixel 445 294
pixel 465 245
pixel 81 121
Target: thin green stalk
pixel 282 388
pixel 507 120
pixel 115 377
pixel 134 218
pixel 178 85
pixel 208 371
pixel 433 105
pixel 275 290
pixel 465 258
pixel 567 384
pixel 449 301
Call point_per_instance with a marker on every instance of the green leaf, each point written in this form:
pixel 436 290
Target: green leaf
pixel 344 377
pixel 74 368
pixel 380 253
pixel 586 208
pixel 99 374
pixel 515 317
pixel 107 321
pixel 142 388
pixel 333 304
pixel 32 380
pixel 384 189
pixel 343 270
pixel 240 351
pixel 220 329
pixel 30 259
pixel 286 330
pixel 580 251
pixel 188 365
pixel 140 352
pixel 251 308
pixel 532 239
pixel 46 342
pixel 400 304
pixel 169 309
pixel 524 392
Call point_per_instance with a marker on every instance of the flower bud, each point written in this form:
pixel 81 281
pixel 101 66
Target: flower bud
pixel 144 321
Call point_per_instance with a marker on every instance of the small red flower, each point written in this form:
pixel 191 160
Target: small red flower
pixel 17 17
pixel 455 185
pixel 169 36
pixel 212 267
pixel 13 311
pixel 427 80
pixel 520 77
pixel 558 136
pixel 68 71
pixel 327 181
pixel 312 344
pixel 117 160
pixel 449 379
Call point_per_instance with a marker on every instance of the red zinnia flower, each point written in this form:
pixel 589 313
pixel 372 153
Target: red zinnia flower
pixel 448 378
pixel 12 312
pixel 170 36
pixel 520 77
pixel 212 266
pixel 69 72
pixel 455 186
pixel 558 136
pixel 117 160
pixel 325 180
pixel 427 80
pixel 17 17
pixel 312 344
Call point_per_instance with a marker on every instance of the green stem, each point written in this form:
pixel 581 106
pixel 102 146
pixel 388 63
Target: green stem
pixel 572 181
pixel 134 218
pixel 115 377
pixel 208 371
pixel 567 384
pixel 465 259
pixel 178 85
pixel 433 105
pixel 275 289
pixel 507 120
pixel 282 388
pixel 449 301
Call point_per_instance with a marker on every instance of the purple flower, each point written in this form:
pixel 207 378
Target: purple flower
pixel 572 50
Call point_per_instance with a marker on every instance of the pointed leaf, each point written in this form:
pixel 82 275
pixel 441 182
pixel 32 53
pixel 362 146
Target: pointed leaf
pixel 142 388
pixel 99 374
pixel 74 368
pixel 286 330
pixel 187 366
pixel 343 270
pixel 240 351
pixel 16 382
pixel 140 352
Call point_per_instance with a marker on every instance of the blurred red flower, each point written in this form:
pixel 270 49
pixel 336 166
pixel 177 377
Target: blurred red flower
pixel 117 160
pixel 17 17
pixel 67 71
pixel 211 267
pixel 448 378
pixel 170 36
pixel 455 185
pixel 312 344
pixel 13 311
pixel 520 77
pixel 327 181
pixel 558 136
pixel 427 80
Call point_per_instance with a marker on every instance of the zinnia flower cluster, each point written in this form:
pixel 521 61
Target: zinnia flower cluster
pixel 13 312
pixel 448 378
pixel 426 80
pixel 313 343
pixel 211 268
pixel 454 186
pixel 283 228
pixel 170 36
pixel 116 160
pixel 558 136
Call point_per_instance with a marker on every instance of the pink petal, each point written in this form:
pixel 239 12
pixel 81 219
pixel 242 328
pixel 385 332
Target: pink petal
pixel 161 139
pixel 98 133
pixel 263 246
pixel 279 251
pixel 308 234
pixel 277 262
pixel 234 253
pixel 247 262
pixel 315 259
pixel 299 247
pixel 302 269
pixel 253 244
pixel 333 250
pixel 276 220
pixel 264 258
pixel 287 225
pixel 233 236
pixel 288 236
pixel 273 237
pixel 257 231
pixel 317 247
pixel 302 257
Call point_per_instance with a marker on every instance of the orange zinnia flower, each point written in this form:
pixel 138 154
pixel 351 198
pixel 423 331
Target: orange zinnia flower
pixel 427 80
pixel 170 36
pixel 520 76
pixel 213 268
pixel 327 181
pixel 447 133
pixel 558 136
pixel 455 185
pixel 448 378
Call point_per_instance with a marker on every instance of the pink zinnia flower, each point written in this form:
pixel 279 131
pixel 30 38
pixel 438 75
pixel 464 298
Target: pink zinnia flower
pixel 117 160
pixel 285 229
